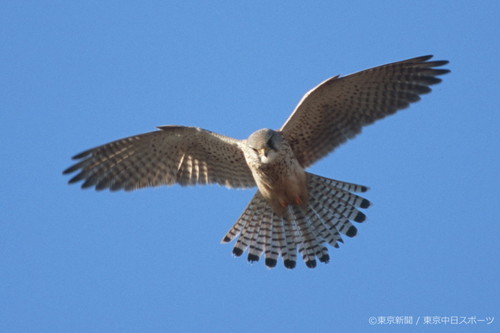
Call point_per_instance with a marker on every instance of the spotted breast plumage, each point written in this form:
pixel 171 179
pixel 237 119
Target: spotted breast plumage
pixel 293 211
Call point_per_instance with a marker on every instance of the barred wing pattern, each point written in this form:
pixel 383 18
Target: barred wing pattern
pixel 174 154
pixel 337 109
pixel 331 208
pixel 327 116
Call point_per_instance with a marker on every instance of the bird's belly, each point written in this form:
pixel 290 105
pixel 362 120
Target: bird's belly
pixel 285 188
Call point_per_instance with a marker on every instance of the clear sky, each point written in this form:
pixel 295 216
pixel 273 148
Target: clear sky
pixel 74 75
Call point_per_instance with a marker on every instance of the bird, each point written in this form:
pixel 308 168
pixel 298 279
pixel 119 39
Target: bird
pixel 293 212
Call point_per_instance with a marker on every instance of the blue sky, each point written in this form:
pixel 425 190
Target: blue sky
pixel 78 74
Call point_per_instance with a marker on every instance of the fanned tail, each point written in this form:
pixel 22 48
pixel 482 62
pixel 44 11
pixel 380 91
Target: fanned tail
pixel 332 205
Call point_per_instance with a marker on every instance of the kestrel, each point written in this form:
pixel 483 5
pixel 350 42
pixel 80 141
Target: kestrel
pixel 293 210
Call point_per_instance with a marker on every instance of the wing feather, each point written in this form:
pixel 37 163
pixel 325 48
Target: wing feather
pixel 338 108
pixel 174 154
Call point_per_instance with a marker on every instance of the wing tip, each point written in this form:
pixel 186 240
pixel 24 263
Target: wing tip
pixel 82 154
pixel 422 58
pixel 69 170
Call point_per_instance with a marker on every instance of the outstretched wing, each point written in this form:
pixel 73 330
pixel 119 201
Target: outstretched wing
pixel 339 107
pixel 174 154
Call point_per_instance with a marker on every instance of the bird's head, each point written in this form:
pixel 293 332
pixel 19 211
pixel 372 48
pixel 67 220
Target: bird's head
pixel 265 144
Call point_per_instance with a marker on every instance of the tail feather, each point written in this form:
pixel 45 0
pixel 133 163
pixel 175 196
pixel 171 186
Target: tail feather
pixel 350 187
pixel 310 246
pixel 339 206
pixel 265 239
pixel 331 206
pixel 252 217
pixel 247 235
pixel 290 254
pixel 350 198
pixel 260 235
pixel 328 235
pixel 334 220
pixel 245 217
pixel 277 244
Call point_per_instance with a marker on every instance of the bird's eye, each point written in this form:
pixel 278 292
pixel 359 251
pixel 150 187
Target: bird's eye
pixel 255 150
pixel 270 144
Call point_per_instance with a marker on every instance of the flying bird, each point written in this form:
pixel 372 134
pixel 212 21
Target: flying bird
pixel 293 210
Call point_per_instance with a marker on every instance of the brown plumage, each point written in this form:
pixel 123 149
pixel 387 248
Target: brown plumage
pixel 293 210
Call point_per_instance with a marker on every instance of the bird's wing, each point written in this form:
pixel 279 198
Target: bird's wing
pixel 174 154
pixel 337 109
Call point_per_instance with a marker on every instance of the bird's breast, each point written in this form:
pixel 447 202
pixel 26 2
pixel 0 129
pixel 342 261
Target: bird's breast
pixel 282 183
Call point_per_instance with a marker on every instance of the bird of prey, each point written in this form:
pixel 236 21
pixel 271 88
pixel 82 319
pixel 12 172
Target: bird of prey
pixel 292 210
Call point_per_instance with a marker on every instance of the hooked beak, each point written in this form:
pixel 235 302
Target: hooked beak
pixel 263 152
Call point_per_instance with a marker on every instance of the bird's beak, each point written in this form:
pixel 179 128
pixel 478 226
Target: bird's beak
pixel 263 152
